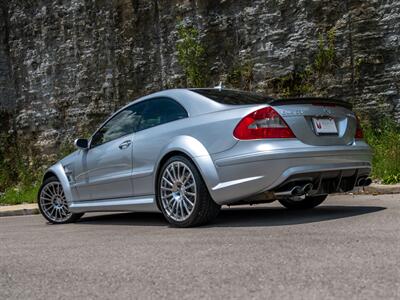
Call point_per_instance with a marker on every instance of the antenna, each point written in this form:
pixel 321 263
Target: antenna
pixel 220 86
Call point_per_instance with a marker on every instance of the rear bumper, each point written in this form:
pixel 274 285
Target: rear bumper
pixel 244 175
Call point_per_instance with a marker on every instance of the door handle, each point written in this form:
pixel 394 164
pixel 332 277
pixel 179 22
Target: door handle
pixel 124 145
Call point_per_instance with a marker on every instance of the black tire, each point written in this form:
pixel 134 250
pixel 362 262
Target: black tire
pixel 308 203
pixel 69 218
pixel 204 209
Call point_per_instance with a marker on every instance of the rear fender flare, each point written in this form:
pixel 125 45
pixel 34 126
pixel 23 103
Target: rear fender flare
pixel 195 150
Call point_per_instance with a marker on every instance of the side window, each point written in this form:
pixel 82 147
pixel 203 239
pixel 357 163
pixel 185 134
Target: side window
pixel 159 111
pixel 123 123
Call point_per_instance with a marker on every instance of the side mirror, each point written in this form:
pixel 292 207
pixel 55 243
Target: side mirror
pixel 81 144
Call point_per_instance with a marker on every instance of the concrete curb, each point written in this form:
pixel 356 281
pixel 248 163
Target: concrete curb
pixel 19 210
pixel 381 189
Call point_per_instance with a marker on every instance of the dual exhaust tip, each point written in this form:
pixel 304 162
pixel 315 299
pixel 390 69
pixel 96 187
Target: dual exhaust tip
pixel 296 191
pixel 306 189
pixel 301 190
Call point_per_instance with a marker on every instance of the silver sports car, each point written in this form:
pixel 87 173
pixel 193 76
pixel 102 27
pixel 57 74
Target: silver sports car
pixel 186 152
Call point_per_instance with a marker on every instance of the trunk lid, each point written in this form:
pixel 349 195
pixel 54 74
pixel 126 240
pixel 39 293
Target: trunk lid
pixel 318 121
pixel 300 114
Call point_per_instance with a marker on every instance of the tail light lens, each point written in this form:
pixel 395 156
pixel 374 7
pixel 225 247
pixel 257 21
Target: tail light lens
pixel 264 123
pixel 359 133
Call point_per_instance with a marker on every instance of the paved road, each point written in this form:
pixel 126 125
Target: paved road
pixel 348 248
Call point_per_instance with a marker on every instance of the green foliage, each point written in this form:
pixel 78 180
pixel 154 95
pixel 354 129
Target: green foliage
pixel 385 142
pixel 66 148
pixel 17 164
pixel 241 76
pixel 19 171
pixel 294 84
pixel 357 68
pixel 302 81
pixel 325 58
pixel 191 55
pixel 20 194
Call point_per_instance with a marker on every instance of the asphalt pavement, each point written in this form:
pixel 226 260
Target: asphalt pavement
pixel 348 248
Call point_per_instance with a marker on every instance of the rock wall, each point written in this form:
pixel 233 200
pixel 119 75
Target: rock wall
pixel 65 65
pixel 7 96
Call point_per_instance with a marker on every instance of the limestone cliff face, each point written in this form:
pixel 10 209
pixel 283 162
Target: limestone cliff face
pixel 65 65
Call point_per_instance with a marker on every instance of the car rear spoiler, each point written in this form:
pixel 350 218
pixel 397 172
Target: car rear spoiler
pixel 311 100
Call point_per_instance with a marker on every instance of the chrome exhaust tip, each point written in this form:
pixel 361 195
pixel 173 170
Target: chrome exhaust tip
pixel 297 191
pixel 307 188
pixel 302 190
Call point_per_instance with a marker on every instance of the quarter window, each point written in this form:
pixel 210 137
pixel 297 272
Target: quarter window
pixel 160 111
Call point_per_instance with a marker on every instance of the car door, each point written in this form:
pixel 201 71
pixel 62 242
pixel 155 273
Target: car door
pixel 157 126
pixel 104 170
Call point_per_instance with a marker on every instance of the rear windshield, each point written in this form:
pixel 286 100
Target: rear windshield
pixel 233 97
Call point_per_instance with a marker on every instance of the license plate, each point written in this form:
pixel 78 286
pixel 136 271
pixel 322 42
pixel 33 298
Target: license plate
pixel 324 125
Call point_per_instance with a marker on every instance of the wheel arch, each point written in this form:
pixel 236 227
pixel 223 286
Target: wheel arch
pixel 58 171
pixel 48 174
pixel 195 151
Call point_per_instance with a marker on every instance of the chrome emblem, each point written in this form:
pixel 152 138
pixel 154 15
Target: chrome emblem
pixel 296 112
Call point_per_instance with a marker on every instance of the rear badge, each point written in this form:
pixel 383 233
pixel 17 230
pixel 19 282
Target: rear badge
pixel 288 113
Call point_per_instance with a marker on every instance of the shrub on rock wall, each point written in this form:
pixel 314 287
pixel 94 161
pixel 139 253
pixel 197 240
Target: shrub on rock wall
pixel 191 56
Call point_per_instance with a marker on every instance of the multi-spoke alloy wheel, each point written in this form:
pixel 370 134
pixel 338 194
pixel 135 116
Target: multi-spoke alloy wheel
pixel 178 191
pixel 53 204
pixel 182 195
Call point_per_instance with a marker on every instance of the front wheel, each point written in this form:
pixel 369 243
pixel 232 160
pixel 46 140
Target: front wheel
pixel 307 203
pixel 52 203
pixel 182 194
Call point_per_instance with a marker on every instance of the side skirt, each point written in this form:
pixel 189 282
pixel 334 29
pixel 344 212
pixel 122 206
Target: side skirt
pixel 136 204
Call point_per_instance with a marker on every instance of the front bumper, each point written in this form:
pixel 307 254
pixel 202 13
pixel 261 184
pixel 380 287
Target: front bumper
pixel 244 175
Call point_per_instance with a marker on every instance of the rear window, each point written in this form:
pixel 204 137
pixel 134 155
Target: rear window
pixel 233 97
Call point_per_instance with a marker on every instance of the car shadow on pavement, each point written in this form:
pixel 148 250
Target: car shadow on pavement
pixel 276 216
pixel 242 216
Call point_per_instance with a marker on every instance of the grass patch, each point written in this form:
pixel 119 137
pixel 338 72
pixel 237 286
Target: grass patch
pixel 19 195
pixel 385 142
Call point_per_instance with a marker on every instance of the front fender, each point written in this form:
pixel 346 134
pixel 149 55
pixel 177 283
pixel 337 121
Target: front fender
pixel 58 170
pixel 199 155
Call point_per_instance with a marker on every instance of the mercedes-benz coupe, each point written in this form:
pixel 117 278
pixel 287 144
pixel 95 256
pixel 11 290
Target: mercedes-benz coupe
pixel 187 152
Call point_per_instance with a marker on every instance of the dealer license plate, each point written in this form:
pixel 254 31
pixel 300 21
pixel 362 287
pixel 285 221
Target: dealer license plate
pixel 324 125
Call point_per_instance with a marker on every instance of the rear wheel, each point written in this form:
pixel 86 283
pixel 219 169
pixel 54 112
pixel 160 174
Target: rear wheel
pixel 182 194
pixel 306 203
pixel 53 204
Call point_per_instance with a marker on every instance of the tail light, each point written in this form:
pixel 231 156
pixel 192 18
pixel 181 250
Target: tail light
pixel 359 133
pixel 264 123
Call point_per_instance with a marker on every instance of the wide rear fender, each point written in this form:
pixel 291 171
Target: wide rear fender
pixel 196 151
